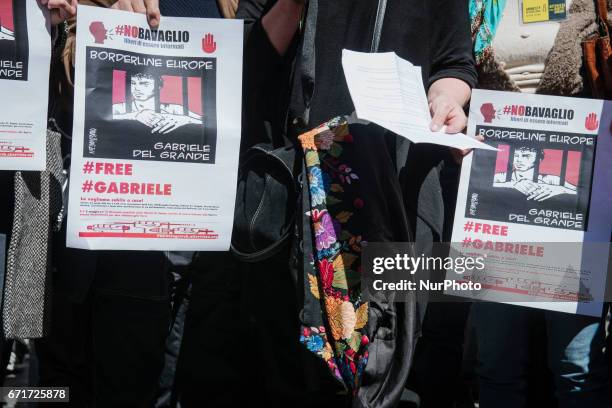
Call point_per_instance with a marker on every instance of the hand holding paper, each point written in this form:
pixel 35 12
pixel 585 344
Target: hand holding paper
pixel 447 97
pixel 388 91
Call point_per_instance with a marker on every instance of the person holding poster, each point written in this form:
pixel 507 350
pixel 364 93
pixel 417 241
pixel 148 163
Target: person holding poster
pixel 430 34
pixel 109 308
pixel 27 216
pixel 544 58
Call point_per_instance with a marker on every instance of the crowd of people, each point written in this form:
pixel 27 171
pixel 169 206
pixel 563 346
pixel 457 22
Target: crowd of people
pixel 207 329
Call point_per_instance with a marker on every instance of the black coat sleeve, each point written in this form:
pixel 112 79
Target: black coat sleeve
pixel 261 59
pixel 451 44
pixel 262 70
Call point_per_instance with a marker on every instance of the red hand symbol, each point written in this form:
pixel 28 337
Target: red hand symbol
pixel 591 122
pixel 208 44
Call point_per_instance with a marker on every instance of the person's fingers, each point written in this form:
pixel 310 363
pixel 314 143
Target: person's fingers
pixel 441 111
pixel 539 194
pixel 228 7
pixel 159 129
pixel 155 120
pixel 59 10
pixel 532 191
pixel 173 128
pixel 75 5
pixel 53 4
pixel 125 5
pixel 544 196
pixel 153 14
pixel 523 189
pixel 62 8
pixel 121 5
pixel 158 126
pixel 169 125
pixel 139 6
pixel 456 120
pixel 164 122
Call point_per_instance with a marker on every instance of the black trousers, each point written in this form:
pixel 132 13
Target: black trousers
pixel 241 341
pixel 215 351
pixel 109 348
pixel 439 355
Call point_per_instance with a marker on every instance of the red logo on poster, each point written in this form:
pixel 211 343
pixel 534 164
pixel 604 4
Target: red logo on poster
pixel 209 45
pixel 591 122
pixel 97 29
pixel 488 112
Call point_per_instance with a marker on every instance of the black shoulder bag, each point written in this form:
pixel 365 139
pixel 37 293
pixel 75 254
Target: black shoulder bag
pixel 269 184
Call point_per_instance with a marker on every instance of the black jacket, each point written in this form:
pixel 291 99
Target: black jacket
pixel 284 96
pixel 433 34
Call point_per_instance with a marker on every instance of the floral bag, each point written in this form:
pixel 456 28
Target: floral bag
pixel 333 262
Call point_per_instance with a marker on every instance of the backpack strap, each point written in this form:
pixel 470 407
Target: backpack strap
pixel 308 55
pixel 378 25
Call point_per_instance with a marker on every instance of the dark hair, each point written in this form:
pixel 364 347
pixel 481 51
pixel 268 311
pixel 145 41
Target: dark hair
pixel 143 75
pixel 538 151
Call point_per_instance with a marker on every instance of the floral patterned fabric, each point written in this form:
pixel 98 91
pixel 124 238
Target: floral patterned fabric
pixel 333 278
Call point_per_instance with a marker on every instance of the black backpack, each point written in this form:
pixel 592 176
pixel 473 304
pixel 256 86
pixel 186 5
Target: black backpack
pixel 266 202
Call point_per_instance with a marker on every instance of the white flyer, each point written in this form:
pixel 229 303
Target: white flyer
pixel 538 208
pixel 156 136
pixel 25 55
pixel 388 91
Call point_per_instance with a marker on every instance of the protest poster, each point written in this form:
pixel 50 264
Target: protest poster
pixel 538 207
pixel 156 132
pixel 25 43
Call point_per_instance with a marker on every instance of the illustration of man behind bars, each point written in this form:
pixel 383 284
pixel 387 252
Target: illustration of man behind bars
pixel 144 105
pixel 526 179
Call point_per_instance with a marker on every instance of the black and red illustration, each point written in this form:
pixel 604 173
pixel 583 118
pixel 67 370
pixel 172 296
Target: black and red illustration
pixel 158 113
pixel 13 40
pixel 525 180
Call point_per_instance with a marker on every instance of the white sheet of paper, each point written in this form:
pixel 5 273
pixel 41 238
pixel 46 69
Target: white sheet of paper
pixel 388 91
pixel 25 55
pixel 572 229
pixel 156 132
